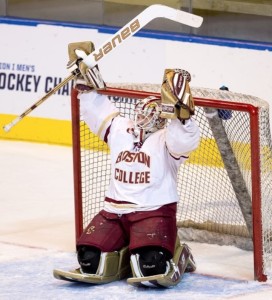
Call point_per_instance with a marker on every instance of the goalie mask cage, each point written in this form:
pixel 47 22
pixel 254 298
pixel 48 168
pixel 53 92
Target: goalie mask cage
pixel 225 187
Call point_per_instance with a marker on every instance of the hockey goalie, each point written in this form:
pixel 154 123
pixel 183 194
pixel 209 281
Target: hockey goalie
pixel 135 235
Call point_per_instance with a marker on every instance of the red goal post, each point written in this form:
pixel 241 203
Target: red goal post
pixel 225 187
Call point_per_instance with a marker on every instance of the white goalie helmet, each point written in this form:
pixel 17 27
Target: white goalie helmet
pixel 147 115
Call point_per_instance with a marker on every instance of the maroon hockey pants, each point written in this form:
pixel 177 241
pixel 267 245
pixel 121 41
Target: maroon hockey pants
pixel 111 232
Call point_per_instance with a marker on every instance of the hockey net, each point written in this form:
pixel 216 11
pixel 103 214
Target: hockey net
pixel 225 187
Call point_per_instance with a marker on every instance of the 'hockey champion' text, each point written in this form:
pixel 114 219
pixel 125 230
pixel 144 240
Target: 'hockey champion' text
pixel 31 83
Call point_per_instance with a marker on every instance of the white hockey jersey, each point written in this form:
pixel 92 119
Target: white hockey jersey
pixel 145 179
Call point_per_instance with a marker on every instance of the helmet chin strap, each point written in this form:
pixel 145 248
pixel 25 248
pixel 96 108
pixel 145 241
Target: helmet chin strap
pixel 139 138
pixel 140 135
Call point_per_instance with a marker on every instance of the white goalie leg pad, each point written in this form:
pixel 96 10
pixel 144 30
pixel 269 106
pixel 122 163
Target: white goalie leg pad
pixel 134 260
pixel 101 267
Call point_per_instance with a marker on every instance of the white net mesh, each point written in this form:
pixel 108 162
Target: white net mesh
pixel 215 184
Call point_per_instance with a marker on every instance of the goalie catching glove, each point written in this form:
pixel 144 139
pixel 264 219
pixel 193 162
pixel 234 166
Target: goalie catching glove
pixel 177 100
pixel 87 78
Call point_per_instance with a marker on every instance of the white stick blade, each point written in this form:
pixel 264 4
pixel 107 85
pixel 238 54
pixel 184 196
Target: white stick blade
pixel 176 15
pixel 189 19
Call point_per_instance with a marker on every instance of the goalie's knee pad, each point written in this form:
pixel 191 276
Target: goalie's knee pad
pixel 88 259
pixel 104 266
pixel 150 261
pixel 170 270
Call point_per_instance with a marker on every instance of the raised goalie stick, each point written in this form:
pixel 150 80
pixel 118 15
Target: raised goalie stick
pixel 150 13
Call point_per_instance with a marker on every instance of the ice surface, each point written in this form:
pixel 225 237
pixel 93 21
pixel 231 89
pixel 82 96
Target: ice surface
pixel 37 235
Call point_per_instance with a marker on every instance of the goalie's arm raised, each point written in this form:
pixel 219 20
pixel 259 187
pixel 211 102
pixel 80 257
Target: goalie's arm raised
pixel 98 112
pixel 181 139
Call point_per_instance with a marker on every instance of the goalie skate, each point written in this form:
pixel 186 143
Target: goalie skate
pixel 181 262
pixel 112 266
